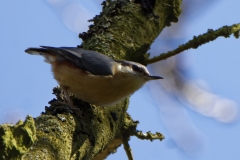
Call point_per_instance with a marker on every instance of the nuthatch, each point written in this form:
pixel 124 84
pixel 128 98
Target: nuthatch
pixel 94 77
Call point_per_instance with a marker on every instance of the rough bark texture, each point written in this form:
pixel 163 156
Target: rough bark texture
pixel 124 30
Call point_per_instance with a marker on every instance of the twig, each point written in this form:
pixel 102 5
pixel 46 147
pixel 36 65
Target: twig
pixel 149 136
pixel 127 149
pixel 211 35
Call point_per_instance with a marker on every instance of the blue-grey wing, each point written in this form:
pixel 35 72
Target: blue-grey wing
pixel 91 61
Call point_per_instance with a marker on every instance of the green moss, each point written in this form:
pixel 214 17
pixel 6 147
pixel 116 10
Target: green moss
pixel 16 140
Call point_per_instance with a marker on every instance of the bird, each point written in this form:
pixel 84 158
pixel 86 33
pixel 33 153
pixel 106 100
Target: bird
pixel 92 76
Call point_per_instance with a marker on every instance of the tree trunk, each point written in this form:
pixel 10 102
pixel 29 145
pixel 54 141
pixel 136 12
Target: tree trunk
pixel 124 30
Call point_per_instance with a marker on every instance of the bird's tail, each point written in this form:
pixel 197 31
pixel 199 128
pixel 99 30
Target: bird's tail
pixel 36 51
pixel 49 57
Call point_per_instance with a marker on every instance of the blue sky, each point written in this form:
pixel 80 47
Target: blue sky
pixel 26 82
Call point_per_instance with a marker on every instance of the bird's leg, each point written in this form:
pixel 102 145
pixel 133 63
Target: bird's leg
pixel 67 101
pixel 70 103
pixel 67 97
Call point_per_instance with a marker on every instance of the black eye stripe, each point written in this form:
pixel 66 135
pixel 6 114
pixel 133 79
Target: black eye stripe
pixel 138 69
pixel 134 67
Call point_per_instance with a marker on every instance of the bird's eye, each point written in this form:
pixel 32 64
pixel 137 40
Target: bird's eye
pixel 136 68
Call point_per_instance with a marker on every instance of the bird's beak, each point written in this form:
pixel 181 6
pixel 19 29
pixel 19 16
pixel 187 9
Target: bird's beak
pixel 154 77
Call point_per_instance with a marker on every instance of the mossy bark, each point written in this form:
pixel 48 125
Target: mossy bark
pixel 124 30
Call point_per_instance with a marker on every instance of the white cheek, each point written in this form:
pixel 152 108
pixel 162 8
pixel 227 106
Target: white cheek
pixel 125 69
pixel 119 67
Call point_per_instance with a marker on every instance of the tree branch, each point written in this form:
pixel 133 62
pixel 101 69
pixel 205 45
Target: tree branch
pixel 211 35
pixel 123 30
